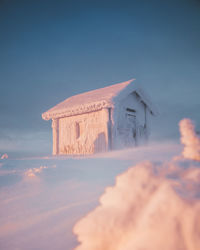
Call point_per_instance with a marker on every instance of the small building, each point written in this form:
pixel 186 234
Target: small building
pixel 104 119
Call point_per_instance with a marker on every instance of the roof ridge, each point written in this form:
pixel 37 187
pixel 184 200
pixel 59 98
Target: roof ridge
pixel 86 102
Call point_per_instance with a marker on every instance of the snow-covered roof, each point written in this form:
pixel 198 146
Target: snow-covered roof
pixel 95 100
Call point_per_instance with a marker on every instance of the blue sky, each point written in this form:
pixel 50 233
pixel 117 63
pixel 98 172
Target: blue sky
pixel 51 50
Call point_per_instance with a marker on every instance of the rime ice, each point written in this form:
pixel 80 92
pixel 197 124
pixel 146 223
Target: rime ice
pixel 150 207
pixel 190 140
pixel 113 117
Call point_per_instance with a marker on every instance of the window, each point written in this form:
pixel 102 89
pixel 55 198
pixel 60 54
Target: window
pixel 130 114
pixel 77 127
pixel 131 118
pixel 130 110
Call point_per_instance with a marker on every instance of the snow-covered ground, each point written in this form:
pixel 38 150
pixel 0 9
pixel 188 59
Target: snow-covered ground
pixel 41 199
pixel 152 206
pixel 154 203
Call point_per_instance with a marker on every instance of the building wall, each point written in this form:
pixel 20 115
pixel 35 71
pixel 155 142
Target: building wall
pixel 55 135
pixel 127 125
pixel 131 122
pixel 83 134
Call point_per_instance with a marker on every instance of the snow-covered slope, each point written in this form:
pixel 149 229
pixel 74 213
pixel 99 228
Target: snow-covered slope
pixel 42 199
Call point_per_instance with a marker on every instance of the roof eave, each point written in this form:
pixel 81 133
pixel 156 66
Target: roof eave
pixel 45 116
pixel 75 111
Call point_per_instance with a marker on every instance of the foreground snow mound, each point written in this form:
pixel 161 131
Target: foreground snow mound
pixel 151 207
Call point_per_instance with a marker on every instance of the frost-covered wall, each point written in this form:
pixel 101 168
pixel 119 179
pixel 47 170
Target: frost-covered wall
pixel 126 124
pixel 82 134
pixel 113 117
pixel 131 122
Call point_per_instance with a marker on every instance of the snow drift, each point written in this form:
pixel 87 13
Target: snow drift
pixel 152 206
pixel 41 199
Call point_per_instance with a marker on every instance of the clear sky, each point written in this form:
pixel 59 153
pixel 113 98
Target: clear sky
pixel 50 50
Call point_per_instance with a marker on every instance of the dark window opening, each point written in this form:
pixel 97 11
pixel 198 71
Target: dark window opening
pixel 77 130
pixel 131 110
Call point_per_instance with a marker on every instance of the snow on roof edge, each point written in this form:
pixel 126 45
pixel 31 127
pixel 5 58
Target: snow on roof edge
pixel 112 94
pixel 92 101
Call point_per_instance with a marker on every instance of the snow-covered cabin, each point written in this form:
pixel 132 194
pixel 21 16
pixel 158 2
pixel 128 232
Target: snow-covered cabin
pixel 104 119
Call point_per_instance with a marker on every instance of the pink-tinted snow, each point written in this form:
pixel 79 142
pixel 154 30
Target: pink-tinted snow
pixel 98 98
